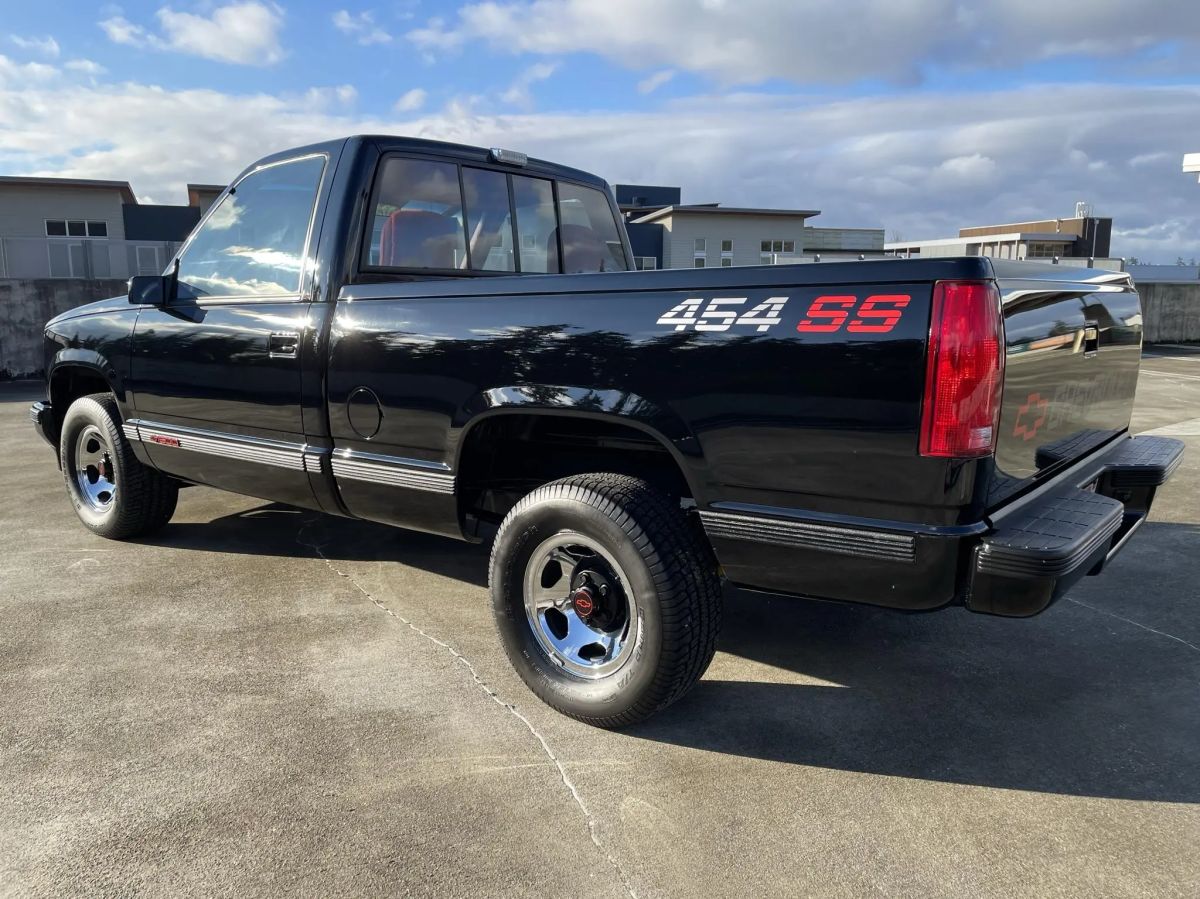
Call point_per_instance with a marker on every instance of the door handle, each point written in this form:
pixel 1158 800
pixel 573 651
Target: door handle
pixel 1091 340
pixel 283 345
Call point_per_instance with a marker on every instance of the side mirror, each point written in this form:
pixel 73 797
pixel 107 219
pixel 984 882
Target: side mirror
pixel 148 290
pixel 152 290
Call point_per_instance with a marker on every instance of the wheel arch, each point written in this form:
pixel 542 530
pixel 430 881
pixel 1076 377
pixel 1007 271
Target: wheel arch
pixel 74 373
pixel 606 417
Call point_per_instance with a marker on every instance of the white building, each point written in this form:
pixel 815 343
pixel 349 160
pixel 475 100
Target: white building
pixel 668 234
pixel 55 227
pixel 85 228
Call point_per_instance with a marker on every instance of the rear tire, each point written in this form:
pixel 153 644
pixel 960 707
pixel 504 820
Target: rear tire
pixel 637 620
pixel 114 494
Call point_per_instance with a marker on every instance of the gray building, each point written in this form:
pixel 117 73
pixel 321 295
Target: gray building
pixel 665 233
pixel 89 229
pixel 1083 236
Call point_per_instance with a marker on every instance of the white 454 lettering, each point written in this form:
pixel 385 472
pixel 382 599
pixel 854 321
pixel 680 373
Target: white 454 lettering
pixel 722 313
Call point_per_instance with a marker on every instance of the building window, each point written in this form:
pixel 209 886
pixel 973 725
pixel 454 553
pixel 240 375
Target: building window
pixel 726 262
pixel 699 262
pixel 645 263
pixel 67 228
pixel 700 245
pixel 726 253
pixel 769 249
pixel 1037 250
pixel 699 252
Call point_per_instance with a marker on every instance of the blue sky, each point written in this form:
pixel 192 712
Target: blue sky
pixel 916 116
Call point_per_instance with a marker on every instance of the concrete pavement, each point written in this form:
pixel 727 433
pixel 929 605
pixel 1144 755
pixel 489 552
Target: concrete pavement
pixel 262 701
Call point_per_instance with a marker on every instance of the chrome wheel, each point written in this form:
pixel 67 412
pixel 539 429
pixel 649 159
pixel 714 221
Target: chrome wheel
pixel 95 477
pixel 579 605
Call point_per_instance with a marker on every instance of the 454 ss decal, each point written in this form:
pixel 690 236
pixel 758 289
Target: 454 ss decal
pixel 876 314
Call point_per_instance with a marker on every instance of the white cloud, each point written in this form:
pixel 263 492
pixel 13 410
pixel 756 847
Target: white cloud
pixel 518 93
pixel 836 41
pixel 31 73
pixel 411 101
pixel 47 46
pixel 361 27
pixel 86 66
pixel 245 33
pixel 121 31
pixel 922 165
pixel 652 83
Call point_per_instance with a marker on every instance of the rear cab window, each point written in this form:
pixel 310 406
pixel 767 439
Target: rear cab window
pixel 448 218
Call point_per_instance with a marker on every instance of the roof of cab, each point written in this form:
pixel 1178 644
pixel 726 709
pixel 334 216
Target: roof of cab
pixel 463 152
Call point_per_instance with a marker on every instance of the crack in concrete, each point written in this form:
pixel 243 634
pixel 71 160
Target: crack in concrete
pixel 592 827
pixel 1144 627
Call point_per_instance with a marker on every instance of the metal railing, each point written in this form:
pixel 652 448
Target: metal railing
pixel 82 258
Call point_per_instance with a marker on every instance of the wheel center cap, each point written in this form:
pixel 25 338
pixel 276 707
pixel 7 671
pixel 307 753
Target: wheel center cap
pixel 583 602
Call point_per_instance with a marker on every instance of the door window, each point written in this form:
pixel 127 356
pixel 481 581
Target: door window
pixel 253 244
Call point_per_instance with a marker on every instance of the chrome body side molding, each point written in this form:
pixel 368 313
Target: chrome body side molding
pixel 370 468
pixel 392 471
pixel 844 541
pixel 279 453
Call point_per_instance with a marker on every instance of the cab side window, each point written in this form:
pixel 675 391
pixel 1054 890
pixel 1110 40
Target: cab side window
pixel 445 217
pixel 590 240
pixel 417 217
pixel 253 243
pixel 537 226
pixel 489 223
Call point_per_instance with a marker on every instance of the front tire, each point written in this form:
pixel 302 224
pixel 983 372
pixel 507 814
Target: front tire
pixel 114 494
pixel 606 597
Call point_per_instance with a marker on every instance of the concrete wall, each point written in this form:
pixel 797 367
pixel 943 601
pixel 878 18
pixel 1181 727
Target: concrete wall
pixel 1171 312
pixel 25 307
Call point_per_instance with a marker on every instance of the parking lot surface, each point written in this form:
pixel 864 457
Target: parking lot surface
pixel 260 700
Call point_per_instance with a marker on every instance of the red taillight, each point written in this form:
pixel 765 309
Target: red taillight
pixel 964 370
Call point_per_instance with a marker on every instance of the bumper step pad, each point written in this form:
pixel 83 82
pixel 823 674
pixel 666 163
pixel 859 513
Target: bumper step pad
pixel 1052 538
pixel 1144 462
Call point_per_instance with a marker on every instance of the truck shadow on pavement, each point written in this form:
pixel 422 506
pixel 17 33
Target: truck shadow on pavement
pixel 286 532
pixel 1072 702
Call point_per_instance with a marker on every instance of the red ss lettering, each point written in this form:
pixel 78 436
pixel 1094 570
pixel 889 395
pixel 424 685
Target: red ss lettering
pixel 826 314
pixel 879 314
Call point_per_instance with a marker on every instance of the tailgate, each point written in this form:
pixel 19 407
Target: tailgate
pixel 1073 344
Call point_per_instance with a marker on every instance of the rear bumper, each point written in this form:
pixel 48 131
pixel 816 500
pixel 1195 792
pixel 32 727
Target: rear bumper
pixel 1016 562
pixel 42 417
pixel 1038 548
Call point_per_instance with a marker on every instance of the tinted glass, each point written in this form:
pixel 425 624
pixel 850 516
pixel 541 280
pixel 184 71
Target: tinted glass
pixel 417 219
pixel 591 241
pixel 56 229
pixel 97 229
pixel 536 224
pixel 488 222
pixel 77 229
pixel 253 242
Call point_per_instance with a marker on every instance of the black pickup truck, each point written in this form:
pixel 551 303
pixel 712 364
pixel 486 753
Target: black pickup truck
pixel 448 339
